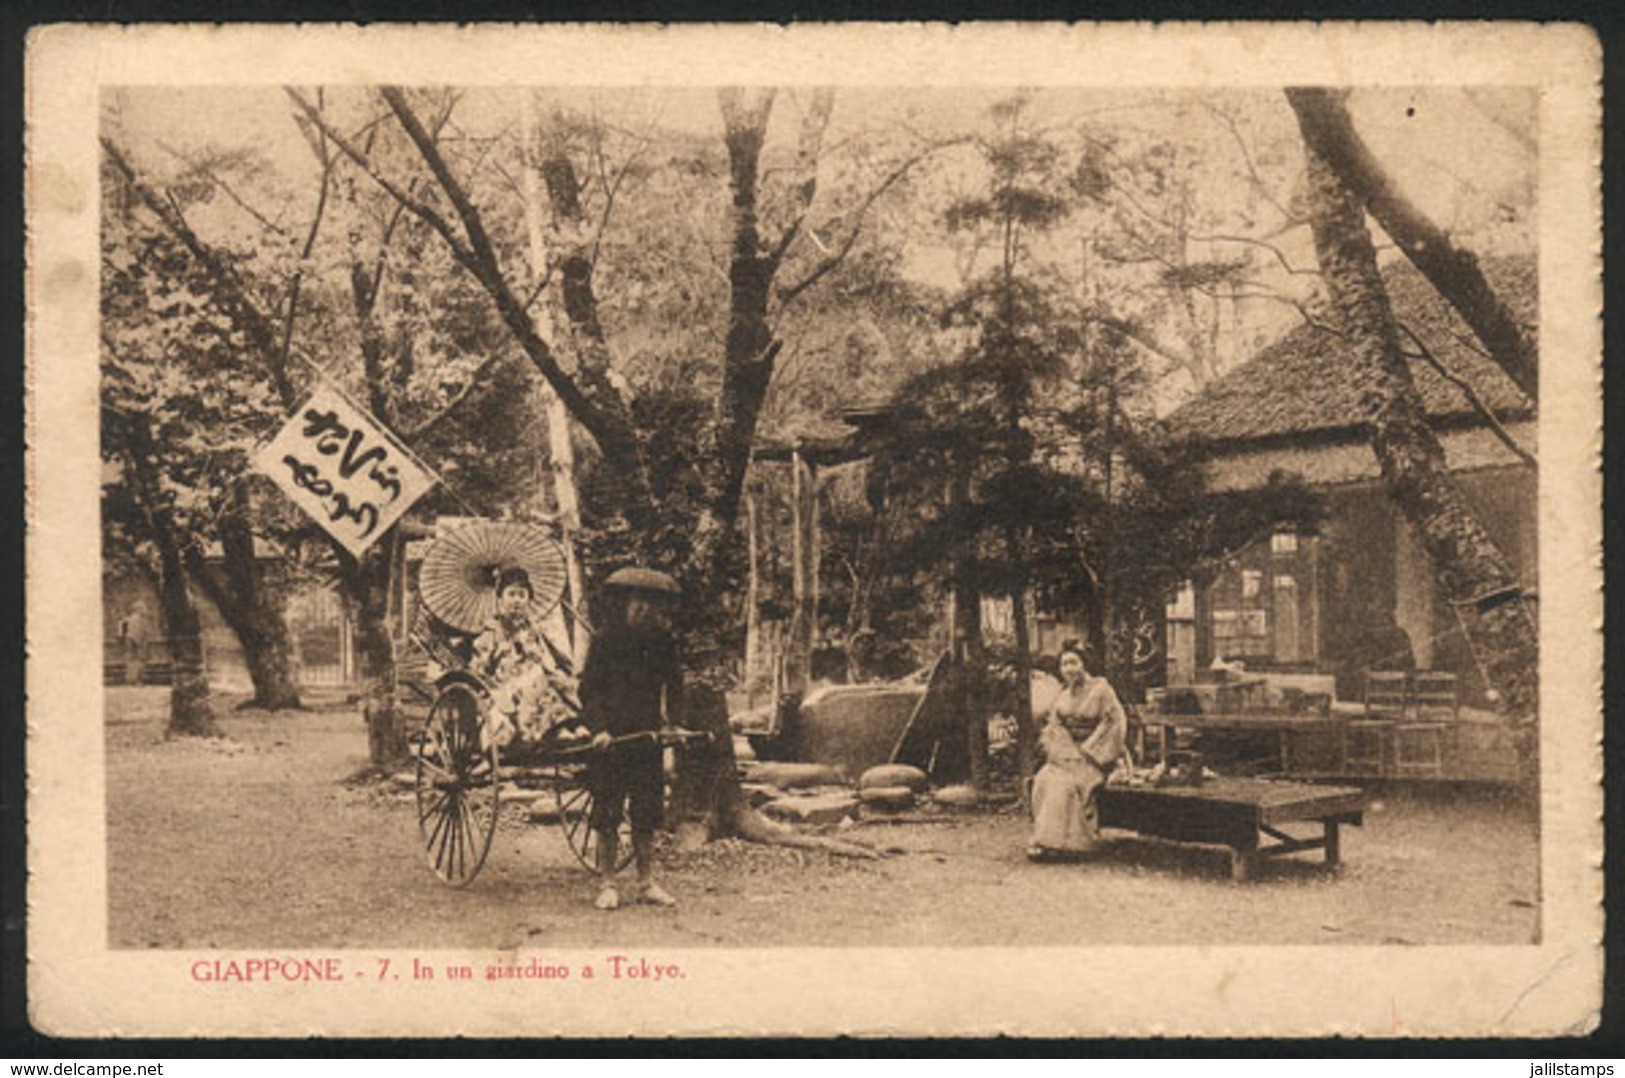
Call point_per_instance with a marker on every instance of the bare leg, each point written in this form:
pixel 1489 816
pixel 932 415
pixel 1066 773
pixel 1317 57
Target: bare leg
pixel 608 897
pixel 643 856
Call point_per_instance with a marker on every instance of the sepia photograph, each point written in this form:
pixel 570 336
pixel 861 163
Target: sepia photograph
pixel 646 538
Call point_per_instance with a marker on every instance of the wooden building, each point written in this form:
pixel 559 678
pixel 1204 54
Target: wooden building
pixel 1331 602
pixel 135 649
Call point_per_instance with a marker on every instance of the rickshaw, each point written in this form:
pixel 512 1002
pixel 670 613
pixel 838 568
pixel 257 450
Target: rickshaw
pixel 462 764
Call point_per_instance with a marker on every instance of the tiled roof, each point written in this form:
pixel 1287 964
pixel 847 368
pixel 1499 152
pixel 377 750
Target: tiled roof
pixel 1298 385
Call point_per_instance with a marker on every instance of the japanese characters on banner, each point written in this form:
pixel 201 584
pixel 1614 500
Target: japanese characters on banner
pixel 344 469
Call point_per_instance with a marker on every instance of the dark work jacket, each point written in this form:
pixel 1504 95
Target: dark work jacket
pixel 622 682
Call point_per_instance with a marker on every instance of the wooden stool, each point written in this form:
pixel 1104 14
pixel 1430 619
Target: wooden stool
pixel 1386 694
pixel 1419 750
pixel 1366 747
pixel 1434 696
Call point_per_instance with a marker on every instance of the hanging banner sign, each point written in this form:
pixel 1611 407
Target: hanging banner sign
pixel 345 469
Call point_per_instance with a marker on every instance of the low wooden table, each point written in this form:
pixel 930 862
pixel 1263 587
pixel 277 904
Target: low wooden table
pixel 1235 812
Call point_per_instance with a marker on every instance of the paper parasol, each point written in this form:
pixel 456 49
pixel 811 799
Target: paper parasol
pixel 459 573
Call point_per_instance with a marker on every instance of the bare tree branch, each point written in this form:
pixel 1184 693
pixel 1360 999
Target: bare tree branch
pixel 1229 123
pixel 1478 403
pixel 291 314
pixel 427 213
pixel 1141 336
pixel 592 398
pixel 814 121
pixel 1280 256
pixel 1452 270
pixel 612 187
pixel 203 168
pixel 833 259
pixel 235 291
pixel 475 381
pixel 479 242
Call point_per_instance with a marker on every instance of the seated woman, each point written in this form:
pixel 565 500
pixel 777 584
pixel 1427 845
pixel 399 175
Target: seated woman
pixel 1083 737
pixel 511 657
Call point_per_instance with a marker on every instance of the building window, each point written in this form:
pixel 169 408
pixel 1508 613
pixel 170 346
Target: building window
pixel 1284 543
pixel 1239 633
pixel 1183 606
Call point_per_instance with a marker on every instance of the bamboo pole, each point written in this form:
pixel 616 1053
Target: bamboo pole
pixel 560 452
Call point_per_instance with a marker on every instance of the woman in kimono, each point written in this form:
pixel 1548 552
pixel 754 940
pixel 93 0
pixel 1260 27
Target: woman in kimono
pixel 511 656
pixel 1084 736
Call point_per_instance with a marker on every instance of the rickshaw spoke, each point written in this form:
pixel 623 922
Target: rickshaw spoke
pixel 442 772
pixel 439 813
pixel 571 802
pixel 473 848
pixel 441 823
pixel 454 864
pixel 444 828
pixel 435 805
pixel 459 844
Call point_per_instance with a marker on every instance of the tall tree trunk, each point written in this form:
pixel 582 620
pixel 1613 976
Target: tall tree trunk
pixel 966 652
pixel 705 795
pixel 592 399
pixel 1471 571
pixel 252 609
pixel 1026 723
pixel 573 257
pixel 749 350
pixel 1451 269
pixel 749 353
pixel 753 598
pixel 191 707
pixel 804 571
pixel 367 585
pixel 970 669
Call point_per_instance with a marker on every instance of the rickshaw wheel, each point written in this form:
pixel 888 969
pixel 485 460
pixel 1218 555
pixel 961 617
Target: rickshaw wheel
pixel 575 815
pixel 457 795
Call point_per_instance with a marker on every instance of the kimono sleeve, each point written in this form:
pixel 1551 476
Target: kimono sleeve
pixel 483 661
pixel 1109 742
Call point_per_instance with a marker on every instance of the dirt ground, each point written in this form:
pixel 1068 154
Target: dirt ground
pixel 255 840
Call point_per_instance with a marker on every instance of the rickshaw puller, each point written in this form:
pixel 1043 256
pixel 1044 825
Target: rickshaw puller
pixel 630 683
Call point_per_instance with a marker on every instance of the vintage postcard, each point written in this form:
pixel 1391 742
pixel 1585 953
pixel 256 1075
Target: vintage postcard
pixel 863 529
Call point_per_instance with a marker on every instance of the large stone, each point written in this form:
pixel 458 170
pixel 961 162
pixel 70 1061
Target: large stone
pixel 957 796
pixel 892 775
pixel 546 811
pixel 788 776
pixel 826 808
pixel 892 798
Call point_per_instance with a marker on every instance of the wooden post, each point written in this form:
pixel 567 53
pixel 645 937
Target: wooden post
pixel 798 664
pixel 815 560
pixel 1204 625
pixel 753 598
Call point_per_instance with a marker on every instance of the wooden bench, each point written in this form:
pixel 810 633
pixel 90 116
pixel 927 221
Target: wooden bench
pixel 1237 813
